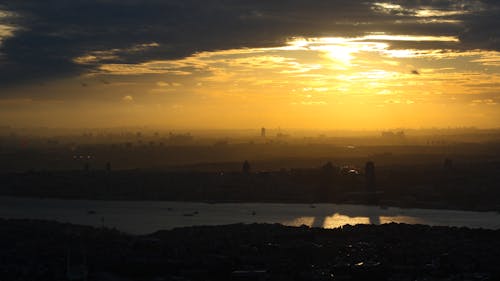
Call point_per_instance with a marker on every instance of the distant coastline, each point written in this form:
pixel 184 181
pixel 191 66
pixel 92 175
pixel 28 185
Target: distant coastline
pixel 430 189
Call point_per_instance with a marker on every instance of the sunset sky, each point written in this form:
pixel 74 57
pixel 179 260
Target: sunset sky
pixel 336 64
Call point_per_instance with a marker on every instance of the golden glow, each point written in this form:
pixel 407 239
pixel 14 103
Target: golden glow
pixel 365 82
pixel 423 12
pixel 338 220
pixel 341 53
pixel 410 38
pixel 437 13
pixel 5 29
pixel 97 56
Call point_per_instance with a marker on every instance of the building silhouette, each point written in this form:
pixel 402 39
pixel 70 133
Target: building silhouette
pixel 326 182
pixel 246 167
pixel 448 164
pixel 370 176
pixel 263 132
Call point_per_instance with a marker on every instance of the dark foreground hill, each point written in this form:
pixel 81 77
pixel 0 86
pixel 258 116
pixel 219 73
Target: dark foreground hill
pixel 40 250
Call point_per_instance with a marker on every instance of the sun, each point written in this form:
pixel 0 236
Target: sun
pixel 340 53
pixel 336 49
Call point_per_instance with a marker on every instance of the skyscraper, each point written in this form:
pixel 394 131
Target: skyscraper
pixel 370 176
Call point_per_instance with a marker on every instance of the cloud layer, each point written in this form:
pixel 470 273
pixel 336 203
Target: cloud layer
pixel 56 38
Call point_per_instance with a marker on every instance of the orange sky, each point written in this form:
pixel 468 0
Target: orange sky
pixel 374 81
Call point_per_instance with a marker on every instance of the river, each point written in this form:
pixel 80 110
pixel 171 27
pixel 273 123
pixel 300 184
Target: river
pixel 142 217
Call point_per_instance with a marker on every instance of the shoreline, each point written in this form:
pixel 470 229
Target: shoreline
pixel 422 206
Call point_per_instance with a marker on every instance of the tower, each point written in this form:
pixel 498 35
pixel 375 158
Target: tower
pixel 370 176
pixel 246 167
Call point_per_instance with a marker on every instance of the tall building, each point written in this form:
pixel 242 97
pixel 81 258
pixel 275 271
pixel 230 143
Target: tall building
pixel 246 167
pixel 263 132
pixel 370 176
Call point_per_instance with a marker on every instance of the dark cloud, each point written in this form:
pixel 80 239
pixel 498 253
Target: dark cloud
pixel 51 34
pixel 483 32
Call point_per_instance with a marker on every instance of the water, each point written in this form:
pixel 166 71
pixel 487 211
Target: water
pixel 142 217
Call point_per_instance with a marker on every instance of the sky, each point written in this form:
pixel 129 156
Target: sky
pixel 222 64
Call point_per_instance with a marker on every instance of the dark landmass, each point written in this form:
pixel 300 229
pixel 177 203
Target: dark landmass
pixel 452 169
pixel 40 250
pixel 468 186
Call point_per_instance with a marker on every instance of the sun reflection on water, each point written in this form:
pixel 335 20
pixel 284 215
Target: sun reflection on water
pixel 337 220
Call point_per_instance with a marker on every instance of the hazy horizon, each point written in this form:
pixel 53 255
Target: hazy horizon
pixel 271 132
